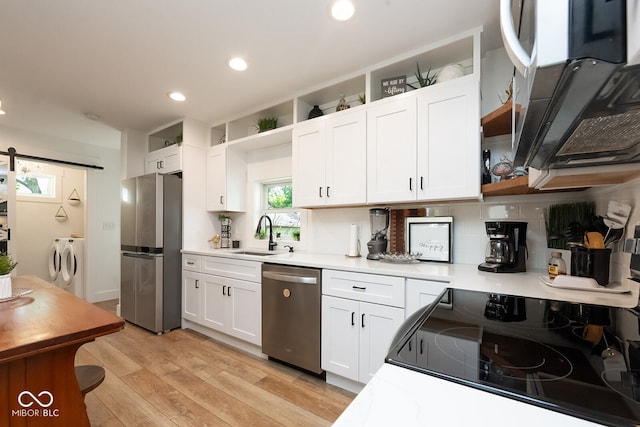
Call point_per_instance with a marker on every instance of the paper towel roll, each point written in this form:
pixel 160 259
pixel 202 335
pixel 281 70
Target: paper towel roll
pixel 354 241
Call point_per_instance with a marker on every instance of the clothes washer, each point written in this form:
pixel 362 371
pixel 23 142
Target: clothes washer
pixel 71 276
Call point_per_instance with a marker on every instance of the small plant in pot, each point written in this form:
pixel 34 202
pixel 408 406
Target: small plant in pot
pixel 266 123
pixel 7 264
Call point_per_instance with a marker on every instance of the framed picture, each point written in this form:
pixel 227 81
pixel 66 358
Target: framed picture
pixel 393 86
pixel 430 236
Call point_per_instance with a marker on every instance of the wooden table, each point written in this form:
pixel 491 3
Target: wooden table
pixel 39 336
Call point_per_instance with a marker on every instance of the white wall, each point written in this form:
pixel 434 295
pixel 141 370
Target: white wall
pixel 37 226
pixel 103 203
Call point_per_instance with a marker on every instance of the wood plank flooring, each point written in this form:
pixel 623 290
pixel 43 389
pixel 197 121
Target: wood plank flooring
pixel 183 378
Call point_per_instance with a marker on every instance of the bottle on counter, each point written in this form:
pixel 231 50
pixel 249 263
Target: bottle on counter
pixel 556 265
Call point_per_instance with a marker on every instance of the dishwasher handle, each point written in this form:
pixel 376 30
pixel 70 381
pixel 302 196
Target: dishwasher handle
pixel 290 278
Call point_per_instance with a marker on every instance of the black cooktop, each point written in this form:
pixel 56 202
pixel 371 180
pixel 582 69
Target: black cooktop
pixel 579 359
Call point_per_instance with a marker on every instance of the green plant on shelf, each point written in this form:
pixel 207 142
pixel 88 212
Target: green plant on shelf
pixel 266 123
pixel 423 81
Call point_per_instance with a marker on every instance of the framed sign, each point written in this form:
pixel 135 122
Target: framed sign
pixel 393 86
pixel 430 236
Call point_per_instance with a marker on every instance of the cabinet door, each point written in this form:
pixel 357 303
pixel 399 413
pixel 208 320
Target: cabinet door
pixel 340 332
pixel 391 151
pixel 246 310
pixel 215 302
pixel 309 164
pixel 152 162
pixel 216 178
pixel 378 326
pixel 191 295
pixel 421 293
pixel 172 162
pixel 449 153
pixel 346 173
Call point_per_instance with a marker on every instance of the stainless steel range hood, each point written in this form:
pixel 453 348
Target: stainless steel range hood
pixel 592 117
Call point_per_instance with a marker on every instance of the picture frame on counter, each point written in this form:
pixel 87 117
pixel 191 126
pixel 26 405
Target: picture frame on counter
pixel 431 237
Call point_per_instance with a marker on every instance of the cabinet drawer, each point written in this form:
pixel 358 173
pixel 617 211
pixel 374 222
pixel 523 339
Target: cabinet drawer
pixel 233 268
pixel 386 290
pixel 191 262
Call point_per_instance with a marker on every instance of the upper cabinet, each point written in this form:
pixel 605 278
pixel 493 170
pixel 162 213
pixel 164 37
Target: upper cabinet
pixel 329 161
pixel 425 146
pixel 226 179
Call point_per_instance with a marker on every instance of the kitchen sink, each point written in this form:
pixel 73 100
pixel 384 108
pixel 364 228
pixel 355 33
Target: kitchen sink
pixel 254 253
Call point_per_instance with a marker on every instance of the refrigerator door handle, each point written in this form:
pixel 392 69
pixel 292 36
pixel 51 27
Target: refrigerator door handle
pixel 138 255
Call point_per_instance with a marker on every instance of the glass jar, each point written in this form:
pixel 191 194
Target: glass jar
pixel 556 265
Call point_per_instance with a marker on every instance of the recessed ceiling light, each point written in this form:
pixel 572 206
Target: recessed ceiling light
pixel 177 96
pixel 237 64
pixel 342 10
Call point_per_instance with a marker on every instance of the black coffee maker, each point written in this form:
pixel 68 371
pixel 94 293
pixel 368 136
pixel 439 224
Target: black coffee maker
pixel 507 247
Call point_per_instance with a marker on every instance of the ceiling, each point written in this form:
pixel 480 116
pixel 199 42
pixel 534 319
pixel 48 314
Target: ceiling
pixel 118 59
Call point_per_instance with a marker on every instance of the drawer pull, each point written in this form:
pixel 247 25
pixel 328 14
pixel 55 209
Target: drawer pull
pixel 190 263
pixel 359 288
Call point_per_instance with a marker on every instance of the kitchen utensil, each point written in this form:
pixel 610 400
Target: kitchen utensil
pixel 593 240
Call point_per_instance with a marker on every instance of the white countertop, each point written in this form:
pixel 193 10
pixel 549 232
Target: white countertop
pixel 459 276
pixel 400 397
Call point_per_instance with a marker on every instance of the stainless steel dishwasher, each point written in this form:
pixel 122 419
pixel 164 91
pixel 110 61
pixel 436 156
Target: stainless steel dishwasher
pixel 291 298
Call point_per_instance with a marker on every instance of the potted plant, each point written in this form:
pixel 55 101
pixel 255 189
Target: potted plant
pixel 423 81
pixel 296 235
pixel 7 264
pixel 266 123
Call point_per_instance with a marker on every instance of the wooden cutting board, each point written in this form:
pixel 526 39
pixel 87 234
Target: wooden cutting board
pixel 396 227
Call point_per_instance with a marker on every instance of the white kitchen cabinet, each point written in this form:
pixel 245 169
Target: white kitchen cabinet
pixel 425 145
pixel 233 307
pixel 329 160
pixel 391 150
pixel 449 154
pixel 226 179
pixel 164 160
pixel 191 295
pixel 229 301
pixel 356 336
pixel 421 293
pixel 360 315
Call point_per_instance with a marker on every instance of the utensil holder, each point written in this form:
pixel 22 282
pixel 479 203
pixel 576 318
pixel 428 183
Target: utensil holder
pixel 593 263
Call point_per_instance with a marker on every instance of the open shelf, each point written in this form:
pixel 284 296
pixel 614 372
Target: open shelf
pixel 498 122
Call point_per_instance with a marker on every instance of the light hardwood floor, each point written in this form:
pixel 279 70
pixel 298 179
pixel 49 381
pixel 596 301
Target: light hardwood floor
pixel 183 378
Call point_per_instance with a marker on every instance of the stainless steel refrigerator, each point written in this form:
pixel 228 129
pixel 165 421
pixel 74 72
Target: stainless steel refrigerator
pixel 151 238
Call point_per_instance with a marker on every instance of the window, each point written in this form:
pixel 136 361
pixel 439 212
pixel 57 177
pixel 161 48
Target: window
pixel 277 204
pixel 38 182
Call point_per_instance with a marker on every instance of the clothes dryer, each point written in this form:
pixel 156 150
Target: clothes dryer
pixel 71 277
pixel 53 261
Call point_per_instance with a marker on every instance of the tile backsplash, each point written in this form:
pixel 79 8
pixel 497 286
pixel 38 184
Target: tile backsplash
pixel 329 228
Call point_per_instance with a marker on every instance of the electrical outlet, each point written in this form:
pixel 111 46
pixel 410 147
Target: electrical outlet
pixel 108 226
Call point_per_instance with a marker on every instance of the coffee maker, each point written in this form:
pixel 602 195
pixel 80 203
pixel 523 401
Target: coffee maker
pixel 379 218
pixel 507 248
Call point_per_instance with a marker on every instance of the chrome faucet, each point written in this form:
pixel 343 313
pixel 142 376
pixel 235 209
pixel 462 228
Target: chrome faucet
pixel 272 244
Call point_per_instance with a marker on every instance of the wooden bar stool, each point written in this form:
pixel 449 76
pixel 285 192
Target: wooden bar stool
pixel 89 377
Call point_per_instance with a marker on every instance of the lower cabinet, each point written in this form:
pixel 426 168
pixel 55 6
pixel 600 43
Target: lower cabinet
pixel 356 336
pixel 221 302
pixel 421 293
pixel 356 330
pixel 233 307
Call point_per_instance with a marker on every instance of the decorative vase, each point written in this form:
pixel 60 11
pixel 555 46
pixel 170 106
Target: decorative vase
pixel 5 286
pixel 342 104
pixel 315 112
